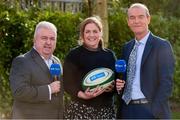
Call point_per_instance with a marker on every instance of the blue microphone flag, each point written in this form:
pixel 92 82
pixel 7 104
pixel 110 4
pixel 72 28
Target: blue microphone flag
pixel 120 66
pixel 55 70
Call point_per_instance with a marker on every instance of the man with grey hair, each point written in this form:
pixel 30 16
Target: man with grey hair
pixel 150 68
pixel 36 95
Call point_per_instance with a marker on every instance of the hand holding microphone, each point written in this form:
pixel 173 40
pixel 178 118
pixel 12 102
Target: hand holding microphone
pixel 55 87
pixel 120 67
pixel 119 85
pixel 55 71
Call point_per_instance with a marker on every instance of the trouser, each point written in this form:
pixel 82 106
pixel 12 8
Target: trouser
pixel 135 111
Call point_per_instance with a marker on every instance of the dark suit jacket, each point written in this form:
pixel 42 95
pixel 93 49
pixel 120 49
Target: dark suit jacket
pixel 156 73
pixel 29 79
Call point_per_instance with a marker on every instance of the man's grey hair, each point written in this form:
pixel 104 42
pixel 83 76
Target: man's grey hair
pixel 46 25
pixel 140 5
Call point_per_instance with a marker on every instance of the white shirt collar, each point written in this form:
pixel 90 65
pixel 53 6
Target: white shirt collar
pixel 42 56
pixel 144 39
pixel 48 62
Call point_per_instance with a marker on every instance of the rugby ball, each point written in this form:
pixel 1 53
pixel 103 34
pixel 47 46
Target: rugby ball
pixel 102 77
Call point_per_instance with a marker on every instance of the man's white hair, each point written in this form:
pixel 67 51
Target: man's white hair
pixel 140 5
pixel 46 25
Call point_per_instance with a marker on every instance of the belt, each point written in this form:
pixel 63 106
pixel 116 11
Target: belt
pixel 139 101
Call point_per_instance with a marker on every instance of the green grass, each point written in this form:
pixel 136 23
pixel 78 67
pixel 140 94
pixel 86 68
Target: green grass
pixel 175 115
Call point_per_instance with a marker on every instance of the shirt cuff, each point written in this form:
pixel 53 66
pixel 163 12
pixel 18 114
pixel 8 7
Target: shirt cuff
pixel 49 92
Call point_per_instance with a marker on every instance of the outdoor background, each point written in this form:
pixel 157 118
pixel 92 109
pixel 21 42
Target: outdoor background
pixel 19 17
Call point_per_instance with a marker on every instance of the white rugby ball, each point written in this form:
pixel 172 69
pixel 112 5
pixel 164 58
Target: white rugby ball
pixel 102 77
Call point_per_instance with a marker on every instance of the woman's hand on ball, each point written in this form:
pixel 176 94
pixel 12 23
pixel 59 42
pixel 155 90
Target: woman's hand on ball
pixel 89 94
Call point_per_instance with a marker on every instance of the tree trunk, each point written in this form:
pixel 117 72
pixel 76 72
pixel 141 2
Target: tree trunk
pixel 101 10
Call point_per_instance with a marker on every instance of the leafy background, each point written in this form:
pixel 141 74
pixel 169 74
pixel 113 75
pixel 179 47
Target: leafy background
pixel 17 29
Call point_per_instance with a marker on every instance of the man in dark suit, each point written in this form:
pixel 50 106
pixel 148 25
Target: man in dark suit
pixel 149 80
pixel 36 95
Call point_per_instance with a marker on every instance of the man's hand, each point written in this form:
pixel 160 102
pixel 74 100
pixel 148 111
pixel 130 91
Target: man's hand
pixel 55 87
pixel 119 84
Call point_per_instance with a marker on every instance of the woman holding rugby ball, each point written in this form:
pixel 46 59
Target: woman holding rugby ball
pixel 89 55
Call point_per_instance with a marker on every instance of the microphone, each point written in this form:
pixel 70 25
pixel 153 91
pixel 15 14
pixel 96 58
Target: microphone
pixel 120 67
pixel 55 71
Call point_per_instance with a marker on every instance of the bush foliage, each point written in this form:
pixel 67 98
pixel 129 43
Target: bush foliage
pixel 17 29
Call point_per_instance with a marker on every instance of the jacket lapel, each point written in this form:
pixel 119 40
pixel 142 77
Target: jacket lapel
pixel 39 61
pixel 147 48
pixel 129 49
pixel 55 60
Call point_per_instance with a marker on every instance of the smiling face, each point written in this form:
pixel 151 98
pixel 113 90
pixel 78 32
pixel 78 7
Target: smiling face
pixel 91 35
pixel 45 42
pixel 138 21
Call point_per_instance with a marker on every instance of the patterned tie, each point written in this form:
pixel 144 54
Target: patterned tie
pixel 130 73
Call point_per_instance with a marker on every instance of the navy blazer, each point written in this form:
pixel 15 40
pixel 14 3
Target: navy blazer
pixel 156 75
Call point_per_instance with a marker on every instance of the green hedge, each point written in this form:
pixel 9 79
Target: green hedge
pixel 17 29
